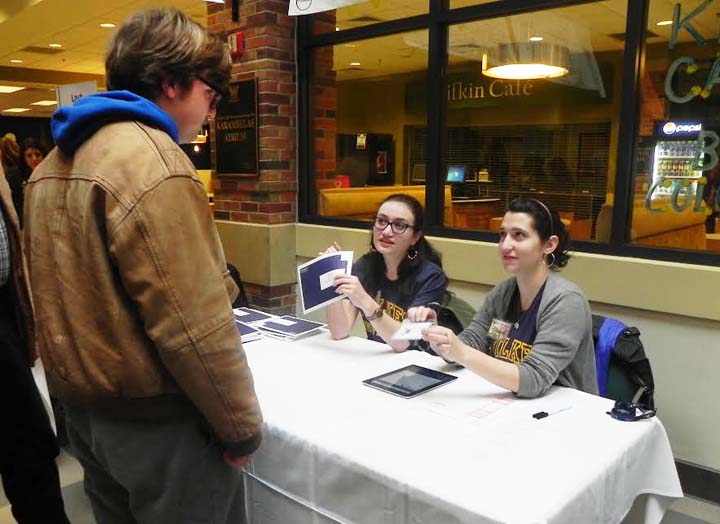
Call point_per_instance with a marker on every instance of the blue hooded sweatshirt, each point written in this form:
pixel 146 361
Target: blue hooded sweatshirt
pixel 72 126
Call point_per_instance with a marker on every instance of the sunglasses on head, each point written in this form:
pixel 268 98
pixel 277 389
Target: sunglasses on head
pixel 630 412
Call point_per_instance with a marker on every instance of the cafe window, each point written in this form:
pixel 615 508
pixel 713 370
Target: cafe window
pixel 676 203
pixel 467 108
pixel 361 116
pixel 367 13
pixel 532 109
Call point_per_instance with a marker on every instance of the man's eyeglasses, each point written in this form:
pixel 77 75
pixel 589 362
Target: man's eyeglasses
pixel 217 92
pixel 397 227
pixel 630 412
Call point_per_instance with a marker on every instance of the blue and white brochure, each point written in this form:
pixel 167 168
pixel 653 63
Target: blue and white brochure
pixel 247 332
pixel 291 327
pixel 248 315
pixel 316 279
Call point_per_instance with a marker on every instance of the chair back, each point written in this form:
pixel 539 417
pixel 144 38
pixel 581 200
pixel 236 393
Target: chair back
pixel 623 369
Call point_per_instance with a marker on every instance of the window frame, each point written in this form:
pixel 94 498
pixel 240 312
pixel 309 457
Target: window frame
pixel 437 22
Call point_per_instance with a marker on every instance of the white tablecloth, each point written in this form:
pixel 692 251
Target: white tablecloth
pixel 335 450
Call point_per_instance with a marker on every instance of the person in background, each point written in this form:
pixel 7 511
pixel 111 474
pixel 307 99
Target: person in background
pixel 27 443
pixel 535 328
pixel 401 270
pixel 711 198
pixel 31 154
pixel 132 290
pixel 9 152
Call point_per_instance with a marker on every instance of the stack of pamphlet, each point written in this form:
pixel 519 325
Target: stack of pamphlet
pixel 289 327
pixel 253 324
pixel 246 320
pixel 247 332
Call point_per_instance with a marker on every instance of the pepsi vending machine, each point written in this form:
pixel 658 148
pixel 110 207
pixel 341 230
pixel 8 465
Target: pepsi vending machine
pixel 675 156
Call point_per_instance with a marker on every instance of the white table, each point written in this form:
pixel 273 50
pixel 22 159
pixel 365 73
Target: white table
pixel 335 450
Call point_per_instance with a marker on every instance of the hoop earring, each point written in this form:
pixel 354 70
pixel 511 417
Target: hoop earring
pixel 412 253
pixel 551 264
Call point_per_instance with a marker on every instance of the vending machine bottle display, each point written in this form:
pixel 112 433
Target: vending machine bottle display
pixel 674 162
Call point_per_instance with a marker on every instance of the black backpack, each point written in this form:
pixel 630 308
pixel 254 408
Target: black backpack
pixel 241 300
pixel 454 313
pixel 629 376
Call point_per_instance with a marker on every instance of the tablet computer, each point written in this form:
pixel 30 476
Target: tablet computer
pixel 409 381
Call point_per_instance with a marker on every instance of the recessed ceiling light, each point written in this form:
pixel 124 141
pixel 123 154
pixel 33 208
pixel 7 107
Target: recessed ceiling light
pixel 16 61
pixel 10 89
pixel 536 39
pixel 44 103
pixel 664 22
pixel 15 110
pixel 55 45
pixel 354 63
pixel 107 24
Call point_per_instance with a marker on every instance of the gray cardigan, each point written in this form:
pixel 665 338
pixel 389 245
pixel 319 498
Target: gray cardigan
pixel 563 352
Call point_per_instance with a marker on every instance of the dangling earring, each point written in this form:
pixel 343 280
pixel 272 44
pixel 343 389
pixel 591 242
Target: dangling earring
pixel 551 264
pixel 412 253
pixel 372 247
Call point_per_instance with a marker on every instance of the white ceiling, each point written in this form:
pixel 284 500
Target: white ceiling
pixel 76 25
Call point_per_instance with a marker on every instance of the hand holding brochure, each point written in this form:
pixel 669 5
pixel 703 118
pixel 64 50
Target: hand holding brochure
pixel 315 279
pixel 410 330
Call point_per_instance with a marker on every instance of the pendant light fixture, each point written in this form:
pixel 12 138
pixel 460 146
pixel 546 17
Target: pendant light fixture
pixel 526 61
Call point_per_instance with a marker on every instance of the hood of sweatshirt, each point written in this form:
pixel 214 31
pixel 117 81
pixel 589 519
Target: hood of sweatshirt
pixel 71 126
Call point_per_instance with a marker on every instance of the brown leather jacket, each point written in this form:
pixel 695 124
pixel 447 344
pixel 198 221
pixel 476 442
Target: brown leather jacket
pixel 18 276
pixel 131 285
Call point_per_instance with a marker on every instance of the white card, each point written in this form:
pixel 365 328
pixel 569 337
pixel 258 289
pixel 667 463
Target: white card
pixel 410 330
pixel 239 313
pixel 326 279
pixel 284 321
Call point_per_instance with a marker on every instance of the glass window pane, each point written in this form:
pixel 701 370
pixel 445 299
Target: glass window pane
pixel 553 139
pixel 367 13
pixel 676 178
pixel 466 3
pixel 366 95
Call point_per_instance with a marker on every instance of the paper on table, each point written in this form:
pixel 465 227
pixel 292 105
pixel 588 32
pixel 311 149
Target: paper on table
pixel 410 330
pixel 285 322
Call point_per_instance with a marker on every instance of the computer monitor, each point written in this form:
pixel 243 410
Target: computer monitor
pixel 455 174
pixel 418 173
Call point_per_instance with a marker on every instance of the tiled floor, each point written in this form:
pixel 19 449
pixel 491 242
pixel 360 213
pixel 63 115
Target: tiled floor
pixel 684 511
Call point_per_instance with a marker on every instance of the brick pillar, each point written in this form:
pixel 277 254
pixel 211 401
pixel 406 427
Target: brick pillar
pixel 654 103
pixel 271 198
pixel 324 100
pixel 324 96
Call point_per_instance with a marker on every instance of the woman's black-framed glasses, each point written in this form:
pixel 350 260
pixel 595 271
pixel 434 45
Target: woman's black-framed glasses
pixel 217 92
pixel 398 227
pixel 630 412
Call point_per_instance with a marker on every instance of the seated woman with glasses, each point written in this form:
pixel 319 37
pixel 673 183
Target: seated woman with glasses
pixel 534 329
pixel 400 271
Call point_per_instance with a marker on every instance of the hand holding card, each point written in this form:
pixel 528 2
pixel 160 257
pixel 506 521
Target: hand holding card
pixel 411 330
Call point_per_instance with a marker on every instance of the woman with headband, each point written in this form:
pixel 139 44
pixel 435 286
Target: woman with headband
pixel 534 329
